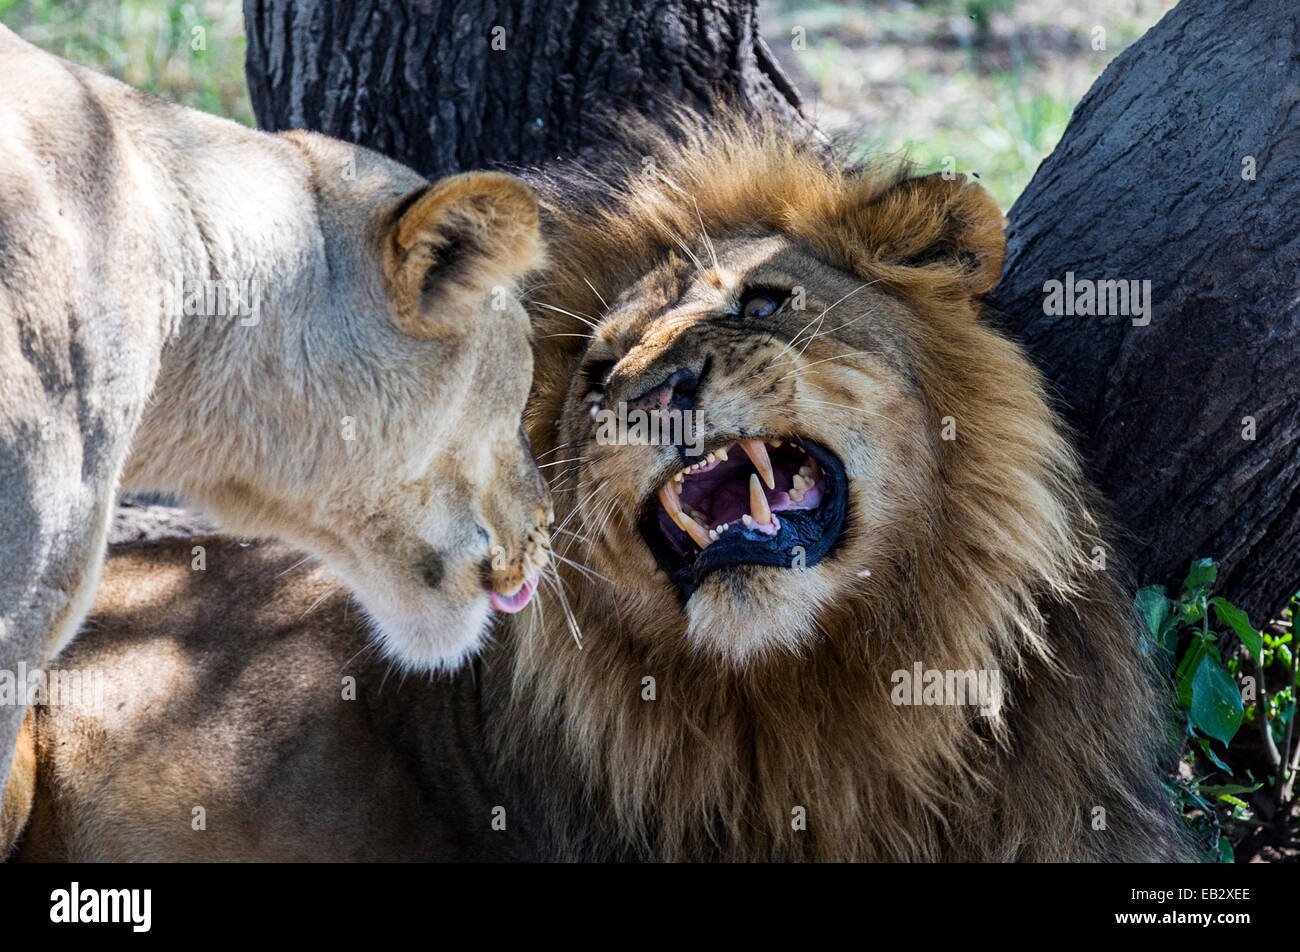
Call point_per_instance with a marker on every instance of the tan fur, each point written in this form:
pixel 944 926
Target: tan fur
pixel 19 792
pixel 365 403
pixel 972 553
pixel 285 699
pixel 772 685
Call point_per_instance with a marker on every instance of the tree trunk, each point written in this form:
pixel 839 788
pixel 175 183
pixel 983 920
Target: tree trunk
pixel 466 84
pixel 1147 184
pixel 1153 181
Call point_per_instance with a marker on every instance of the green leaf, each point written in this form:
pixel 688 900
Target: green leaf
pixel 1237 620
pixel 1187 670
pixel 1216 707
pixel 1204 744
pixel 1201 574
pixel 1153 609
pixel 1225 851
pixel 1227 789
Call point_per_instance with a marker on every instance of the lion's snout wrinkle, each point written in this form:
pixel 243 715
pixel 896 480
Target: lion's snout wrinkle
pixel 675 392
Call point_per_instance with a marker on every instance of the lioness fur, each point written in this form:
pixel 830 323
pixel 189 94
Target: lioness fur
pixel 753 716
pixel 354 383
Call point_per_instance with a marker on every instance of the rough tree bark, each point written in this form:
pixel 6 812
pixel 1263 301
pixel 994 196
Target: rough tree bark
pixel 449 86
pixel 1146 184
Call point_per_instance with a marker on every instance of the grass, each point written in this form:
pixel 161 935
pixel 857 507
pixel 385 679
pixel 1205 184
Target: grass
pixel 190 53
pixel 987 85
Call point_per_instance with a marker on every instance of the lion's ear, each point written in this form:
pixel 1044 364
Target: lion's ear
pixel 451 245
pixel 937 223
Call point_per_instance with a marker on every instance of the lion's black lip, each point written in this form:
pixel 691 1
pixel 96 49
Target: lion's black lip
pixel 806 536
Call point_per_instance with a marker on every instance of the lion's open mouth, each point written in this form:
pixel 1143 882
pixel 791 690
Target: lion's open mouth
pixel 776 502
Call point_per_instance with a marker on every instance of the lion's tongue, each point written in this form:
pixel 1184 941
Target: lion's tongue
pixel 516 602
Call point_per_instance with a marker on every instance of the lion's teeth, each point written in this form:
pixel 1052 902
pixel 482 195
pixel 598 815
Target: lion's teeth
pixel 747 519
pixel 775 444
pixel 711 458
pixel 697 533
pixel 722 455
pixel 796 495
pixel 673 506
pixel 802 483
pixel 806 471
pixel 758 502
pixel 758 455
pixel 713 535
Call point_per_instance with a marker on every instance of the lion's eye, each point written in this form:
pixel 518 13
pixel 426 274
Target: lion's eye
pixel 760 303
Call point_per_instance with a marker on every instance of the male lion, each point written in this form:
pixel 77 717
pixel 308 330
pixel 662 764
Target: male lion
pixel 868 624
pixel 299 335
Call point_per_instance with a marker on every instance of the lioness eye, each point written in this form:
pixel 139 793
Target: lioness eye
pixel 760 304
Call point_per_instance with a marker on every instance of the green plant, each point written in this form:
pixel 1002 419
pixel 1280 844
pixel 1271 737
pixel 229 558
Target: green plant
pixel 191 52
pixel 1191 636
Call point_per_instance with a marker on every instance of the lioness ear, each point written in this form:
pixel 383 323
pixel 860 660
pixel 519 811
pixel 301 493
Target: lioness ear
pixel 945 225
pixel 450 245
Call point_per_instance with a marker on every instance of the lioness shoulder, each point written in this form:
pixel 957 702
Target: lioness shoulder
pixel 295 334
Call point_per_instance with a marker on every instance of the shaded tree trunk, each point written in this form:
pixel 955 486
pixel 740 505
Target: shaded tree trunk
pixel 449 86
pixel 1181 166
pixel 1146 184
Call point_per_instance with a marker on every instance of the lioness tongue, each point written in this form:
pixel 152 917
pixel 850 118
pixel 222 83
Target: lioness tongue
pixel 513 603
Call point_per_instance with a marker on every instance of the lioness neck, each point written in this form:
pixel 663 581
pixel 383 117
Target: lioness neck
pixel 266 284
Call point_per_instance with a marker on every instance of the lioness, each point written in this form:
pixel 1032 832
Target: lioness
pixel 298 335
pixel 868 624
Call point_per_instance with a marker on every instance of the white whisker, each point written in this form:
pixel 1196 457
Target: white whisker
pixel 559 310
pixel 799 370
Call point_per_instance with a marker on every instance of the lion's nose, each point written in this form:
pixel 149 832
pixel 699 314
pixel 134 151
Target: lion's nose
pixel 674 392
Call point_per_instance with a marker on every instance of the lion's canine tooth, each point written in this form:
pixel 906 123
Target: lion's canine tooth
pixel 758 502
pixel 697 533
pixel 673 506
pixel 758 455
